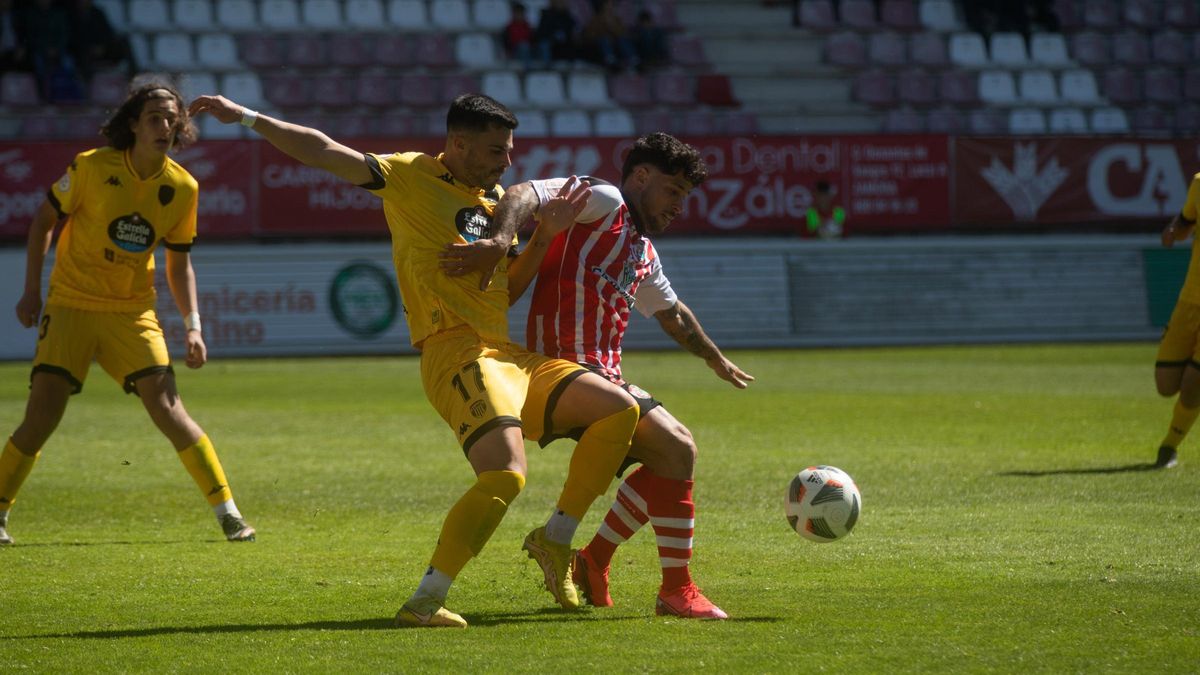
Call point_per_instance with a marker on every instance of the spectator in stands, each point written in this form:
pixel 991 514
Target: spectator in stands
pixel 605 39
pixel 649 41
pixel 94 43
pixel 555 34
pixel 12 45
pixel 825 218
pixel 1004 16
pixel 44 25
pixel 517 36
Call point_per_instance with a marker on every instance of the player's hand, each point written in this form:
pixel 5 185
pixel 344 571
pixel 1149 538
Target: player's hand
pixel 1168 236
pixel 29 308
pixel 226 111
pixel 197 352
pixel 559 214
pixel 481 255
pixel 726 370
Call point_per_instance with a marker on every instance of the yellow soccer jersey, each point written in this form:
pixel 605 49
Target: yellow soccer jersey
pixel 1191 207
pixel 426 209
pixel 105 256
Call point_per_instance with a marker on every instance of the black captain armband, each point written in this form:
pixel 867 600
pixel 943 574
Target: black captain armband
pixel 377 179
pixel 55 203
pixel 1187 223
pixel 181 248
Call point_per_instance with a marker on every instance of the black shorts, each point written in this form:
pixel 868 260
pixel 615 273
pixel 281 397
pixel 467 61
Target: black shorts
pixel 645 402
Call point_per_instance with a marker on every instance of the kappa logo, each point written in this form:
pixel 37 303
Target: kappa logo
pixel 1025 187
pixel 463 429
pixel 113 180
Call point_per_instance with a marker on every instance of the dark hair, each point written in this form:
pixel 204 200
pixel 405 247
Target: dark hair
pixel 667 154
pixel 117 130
pixel 476 112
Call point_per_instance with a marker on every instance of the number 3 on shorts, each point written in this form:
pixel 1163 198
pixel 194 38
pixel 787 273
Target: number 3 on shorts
pixel 44 326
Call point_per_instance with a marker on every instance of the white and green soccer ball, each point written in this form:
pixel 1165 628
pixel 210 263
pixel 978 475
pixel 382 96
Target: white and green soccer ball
pixel 822 503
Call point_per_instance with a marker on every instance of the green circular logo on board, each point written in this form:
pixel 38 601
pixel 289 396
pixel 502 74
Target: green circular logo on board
pixel 363 299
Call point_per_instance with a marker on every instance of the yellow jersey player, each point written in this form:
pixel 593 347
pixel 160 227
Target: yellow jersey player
pixel 487 389
pixel 1177 368
pixel 117 203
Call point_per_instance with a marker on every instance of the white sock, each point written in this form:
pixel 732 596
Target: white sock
pixel 433 585
pixel 560 529
pixel 227 507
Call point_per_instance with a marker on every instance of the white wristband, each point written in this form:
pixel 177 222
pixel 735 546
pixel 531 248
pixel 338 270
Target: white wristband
pixel 249 117
pixel 192 321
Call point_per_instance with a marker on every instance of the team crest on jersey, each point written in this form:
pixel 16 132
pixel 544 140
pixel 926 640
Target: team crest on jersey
pixel 64 183
pixel 165 194
pixel 473 223
pixel 131 233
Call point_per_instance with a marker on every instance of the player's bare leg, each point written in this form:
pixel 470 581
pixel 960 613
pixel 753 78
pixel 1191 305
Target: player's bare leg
pixel 48 396
pixel 193 447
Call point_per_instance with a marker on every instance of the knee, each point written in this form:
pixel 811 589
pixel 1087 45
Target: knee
pixel 683 447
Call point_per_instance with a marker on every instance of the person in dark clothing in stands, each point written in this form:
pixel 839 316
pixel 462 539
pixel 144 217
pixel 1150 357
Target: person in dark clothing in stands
pixel 555 36
pixel 94 43
pixel 13 55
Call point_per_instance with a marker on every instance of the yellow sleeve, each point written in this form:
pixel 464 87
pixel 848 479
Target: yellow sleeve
pixel 387 173
pixel 183 234
pixel 1190 207
pixel 64 195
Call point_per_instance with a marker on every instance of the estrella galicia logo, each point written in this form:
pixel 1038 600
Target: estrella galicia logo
pixel 363 299
pixel 131 233
pixel 473 223
pixel 165 194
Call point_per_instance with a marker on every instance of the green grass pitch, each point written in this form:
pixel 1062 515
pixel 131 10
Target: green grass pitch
pixel 1006 526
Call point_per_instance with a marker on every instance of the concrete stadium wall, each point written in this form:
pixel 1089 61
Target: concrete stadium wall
pixel 329 298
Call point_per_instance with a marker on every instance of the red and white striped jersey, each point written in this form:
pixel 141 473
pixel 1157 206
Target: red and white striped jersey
pixel 592 274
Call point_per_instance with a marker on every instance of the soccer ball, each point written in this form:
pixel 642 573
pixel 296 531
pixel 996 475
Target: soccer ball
pixel 822 503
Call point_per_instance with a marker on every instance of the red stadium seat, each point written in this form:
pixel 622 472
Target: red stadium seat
pixel 394 49
pixel 946 121
pixel 402 125
pixel 740 123
pixel 1131 48
pixel 696 123
pixel 887 50
pixel 715 90
pixel 987 121
pixel 1151 119
pixel 1170 47
pixel 674 87
pixel 904 121
pixel 1091 48
pixel 858 14
pixel 1162 85
pixel 1187 118
pixel 333 91
pixel 261 50
pixel 109 89
pixel 435 50
pixel 1101 14
pixel 1068 14
pixel 649 121
pixel 352 50
pixel 1181 13
pixel 959 87
pixel 376 88
pixel 817 15
pixel 418 91
pixel 453 85
pixel 286 90
pixel 687 50
pixel 899 14
pixel 306 49
pixel 1191 84
pixel 874 87
pixel 846 49
pixel 19 89
pixel 916 86
pixel 351 125
pixel 1140 13
pixel 631 90
pixel 1120 85
pixel 928 49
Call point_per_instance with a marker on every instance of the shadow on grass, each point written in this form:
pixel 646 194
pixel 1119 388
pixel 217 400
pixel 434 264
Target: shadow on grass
pixel 359 624
pixel 108 543
pixel 1127 468
pixel 557 615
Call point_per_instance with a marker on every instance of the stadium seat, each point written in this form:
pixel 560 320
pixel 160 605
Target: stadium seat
pixel 212 129
pixel 1091 48
pixel 899 14
pixel 350 125
pixel 1037 87
pixel 452 85
pixel 874 87
pixel 1131 48
pixel 817 15
pixel 1191 84
pixel 588 89
pixel 1109 121
pixel 1008 50
pixel 1170 47
pixel 715 90
pixel 946 121
pixel 333 91
pixel 280 15
pixel 114 10
pixel 418 90
pixel 959 87
pixel 687 50
pixel 739 123
pixel 237 15
pixel 1122 86
pixel 1068 14
pixel 614 122
pixel 217 51
pixel 1049 49
pixel 394 49
pixel 1079 86
pixel 475 50
pixel 674 87
pixel 1187 119
pixel 533 124
pixel 904 121
pixel 544 89
pixel 401 125
pixel 928 49
pixel 846 49
pixel 306 49
pixel 375 88
pixel 887 49
pixel 149 15
pixel 916 86
pixel 1151 119
pixel 938 15
pixel 321 14
pixel 451 15
pixel 493 15
pixel 40 127
pixel 193 15
pixel 1101 14
pixel 243 87
pixel 173 51
pixel 967 50
pixel 86 125
pixel 858 14
pixel 19 90
pixel 287 91
pixel 631 90
pixel 192 85
pixel 108 88
pixel 570 124
pixel 1067 121
pixel 1162 85
pixel 650 121
pixel 408 15
pixel 504 86
pixel 997 87
pixel 364 15
pixel 434 50
pixel 1140 13
pixel 1181 14
pixel 695 123
pixel 987 121
pixel 140 47
pixel 260 50
pixel 1026 121
pixel 351 49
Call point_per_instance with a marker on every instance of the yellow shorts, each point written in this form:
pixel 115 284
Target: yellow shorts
pixel 128 345
pixel 1181 338
pixel 477 386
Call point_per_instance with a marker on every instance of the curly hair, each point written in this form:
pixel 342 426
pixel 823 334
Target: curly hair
pixel 117 129
pixel 476 112
pixel 667 154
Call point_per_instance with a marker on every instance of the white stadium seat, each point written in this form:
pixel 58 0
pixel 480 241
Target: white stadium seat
pixel 968 50
pixel 364 14
pixel 193 15
pixel 938 15
pixel 148 15
pixel 1049 49
pixel 1068 121
pixel 243 87
pixel 212 129
pixel 115 11
pixel 475 50
pixel 588 89
pixel 570 124
pixel 1079 86
pixel 493 15
pixel 504 86
pixel 173 51
pixel 452 15
pixel 533 124
pixel 321 14
pixel 192 85
pixel 237 15
pixel 997 87
pixel 1037 86
pixel 280 15
pixel 614 122
pixel 1026 121
pixel 1008 49
pixel 1109 121
pixel 409 15
pixel 217 51
pixel 544 89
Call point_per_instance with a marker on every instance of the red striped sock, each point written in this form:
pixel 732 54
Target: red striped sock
pixel 673 517
pixel 623 520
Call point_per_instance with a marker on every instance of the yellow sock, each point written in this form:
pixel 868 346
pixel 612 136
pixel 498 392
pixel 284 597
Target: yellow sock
pixel 1181 422
pixel 595 461
pixel 202 463
pixel 473 519
pixel 14 467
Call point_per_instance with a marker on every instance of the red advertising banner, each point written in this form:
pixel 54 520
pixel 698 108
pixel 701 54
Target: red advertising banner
pixel 1067 180
pixel 27 170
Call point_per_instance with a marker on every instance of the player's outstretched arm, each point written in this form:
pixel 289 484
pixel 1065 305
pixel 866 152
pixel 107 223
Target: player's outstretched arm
pixel 181 278
pixel 680 323
pixel 309 146
pixel 41 233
